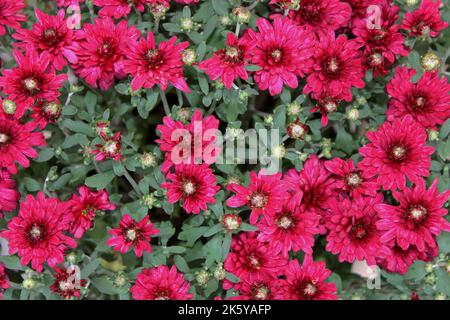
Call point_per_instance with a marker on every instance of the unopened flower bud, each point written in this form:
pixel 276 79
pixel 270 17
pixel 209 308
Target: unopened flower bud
pixel 433 135
pixel 220 272
pixel 187 24
pixel 429 267
pixel 148 159
pixel 440 296
pixel 202 277
pixel 430 279
pixel 297 129
pixel 430 62
pixel 279 151
pixel 294 108
pixel 412 3
pixel 188 56
pixel 149 201
pixel 353 114
pixel 242 14
pixel 120 280
pixel 9 106
pixel 29 284
pixel 184 115
pixel 243 95
pixel 225 20
pixel 231 221
pixel 268 120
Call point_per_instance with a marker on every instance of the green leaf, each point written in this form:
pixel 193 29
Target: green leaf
pixel 45 155
pixel 78 126
pixel 344 141
pixel 100 180
pixel 91 100
pixel 181 264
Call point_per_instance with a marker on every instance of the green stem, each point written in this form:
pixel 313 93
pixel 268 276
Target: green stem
pixel 212 108
pixel 180 98
pixel 164 101
pixel 132 182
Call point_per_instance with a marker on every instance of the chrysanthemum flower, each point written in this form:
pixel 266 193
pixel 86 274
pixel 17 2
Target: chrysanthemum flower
pixel 312 186
pixel 11 14
pixel 9 196
pixel 307 282
pixel 353 234
pixel 397 150
pixel 260 289
pixel 176 138
pixel 418 218
pixel 37 234
pixel 4 280
pixel 102 47
pixel 66 283
pixel 426 20
pixel 122 8
pixel 50 34
pixel 359 8
pixel 151 65
pixel 321 17
pixel 384 38
pixel 293 228
pixel 264 195
pixel 16 143
pixel 110 148
pixel 84 207
pixel 161 283
pixel 398 260
pixel 251 260
pixel 131 233
pixel 187 1
pixel 283 51
pixel 67 3
pixel 194 184
pixel 46 112
pixel 337 67
pixel 351 180
pixel 427 100
pixel 229 63
pixel 31 80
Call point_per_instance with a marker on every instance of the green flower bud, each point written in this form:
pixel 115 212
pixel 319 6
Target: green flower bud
pixel 9 106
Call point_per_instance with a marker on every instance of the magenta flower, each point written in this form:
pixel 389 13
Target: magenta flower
pixel 37 234
pixel 193 184
pixel 161 283
pixel 425 20
pixel 283 51
pixel 11 15
pixel 151 65
pixel 9 196
pixel 131 233
pixel 396 151
pixel 417 220
pixel 264 195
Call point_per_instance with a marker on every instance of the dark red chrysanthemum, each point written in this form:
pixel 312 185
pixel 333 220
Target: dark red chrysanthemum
pixel 10 14
pixel 251 260
pixel 312 186
pixel 360 8
pixel 351 180
pixel 427 100
pixel 84 208
pixel 122 8
pixel 425 20
pixel 37 234
pixel 353 234
pixel 31 80
pixel 293 228
pixel 9 196
pixel 229 64
pixel 337 68
pixel 417 220
pixel 381 39
pixel 398 260
pixel 161 283
pixel 397 150
pixel 50 34
pixel 4 280
pixel 101 50
pixel 46 112
pixel 151 65
pixel 307 282
pixel 194 184
pixel 264 195
pixel 327 103
pixel 282 50
pixel 131 233
pixel 321 17
pixel 67 283
pixel 194 143
pixel 266 289
pixel 16 143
